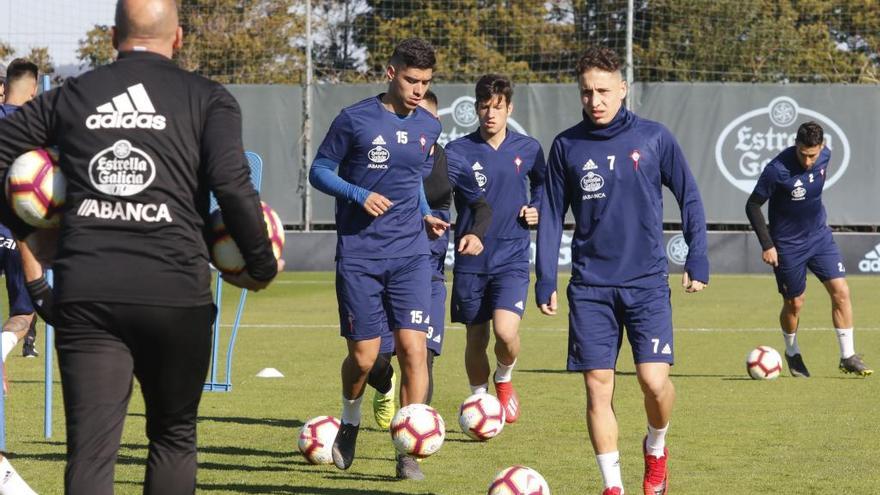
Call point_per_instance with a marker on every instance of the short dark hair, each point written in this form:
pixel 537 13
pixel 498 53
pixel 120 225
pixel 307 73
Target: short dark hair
pixel 599 57
pixel 19 69
pixel 414 52
pixel 492 85
pixel 431 98
pixel 810 134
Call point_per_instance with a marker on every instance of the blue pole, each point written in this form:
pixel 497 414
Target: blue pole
pixel 49 342
pixel 2 404
pixel 47 372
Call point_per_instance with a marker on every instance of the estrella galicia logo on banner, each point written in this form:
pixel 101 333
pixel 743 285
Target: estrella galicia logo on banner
pixel 751 140
pixel 460 118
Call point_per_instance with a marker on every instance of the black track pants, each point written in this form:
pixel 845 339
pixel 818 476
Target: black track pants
pixel 100 347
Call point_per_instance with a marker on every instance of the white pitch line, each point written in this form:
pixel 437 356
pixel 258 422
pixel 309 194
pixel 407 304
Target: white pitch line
pixel 544 329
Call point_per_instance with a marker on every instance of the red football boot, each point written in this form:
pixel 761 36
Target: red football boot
pixel 509 400
pixel 656 472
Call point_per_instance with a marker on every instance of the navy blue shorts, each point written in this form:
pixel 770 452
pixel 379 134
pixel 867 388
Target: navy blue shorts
pixel 377 294
pixel 10 264
pixel 822 258
pixel 437 328
pixel 476 296
pixel 436 325
pixel 598 315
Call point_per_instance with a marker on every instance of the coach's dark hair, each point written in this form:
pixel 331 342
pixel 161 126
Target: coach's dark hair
pixel 431 98
pixel 492 85
pixel 810 134
pixel 19 69
pixel 414 52
pixel 599 57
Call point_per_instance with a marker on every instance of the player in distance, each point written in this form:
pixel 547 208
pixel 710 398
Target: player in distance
pixel 20 86
pixel 609 169
pixel 799 238
pixel 492 287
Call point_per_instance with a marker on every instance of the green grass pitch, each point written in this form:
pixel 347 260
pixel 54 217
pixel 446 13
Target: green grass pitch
pixel 729 434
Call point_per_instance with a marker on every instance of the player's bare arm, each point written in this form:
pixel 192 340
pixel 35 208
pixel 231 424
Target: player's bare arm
pixel 550 308
pixel 243 280
pixel 691 286
pixel 470 245
pixel 435 226
pixel 529 214
pixel 771 257
pixel 376 204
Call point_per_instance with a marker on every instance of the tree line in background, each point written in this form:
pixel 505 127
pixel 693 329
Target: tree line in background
pixel 263 41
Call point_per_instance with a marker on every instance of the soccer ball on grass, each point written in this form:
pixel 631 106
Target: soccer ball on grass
pixel 764 363
pixel 316 439
pixel 417 430
pixel 481 417
pixel 519 480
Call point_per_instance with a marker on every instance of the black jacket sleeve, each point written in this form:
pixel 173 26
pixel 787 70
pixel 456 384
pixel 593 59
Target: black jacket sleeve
pixel 438 190
pixel 225 167
pixel 27 129
pixel 756 218
pixel 482 217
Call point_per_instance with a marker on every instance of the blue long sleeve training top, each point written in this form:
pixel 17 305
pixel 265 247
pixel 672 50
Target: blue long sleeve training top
pixel 510 177
pixel 611 178
pixel 377 150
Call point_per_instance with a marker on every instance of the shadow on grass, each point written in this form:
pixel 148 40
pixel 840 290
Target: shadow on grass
pixel 279 422
pixel 299 490
pixel 633 373
pixel 219 466
pixel 282 423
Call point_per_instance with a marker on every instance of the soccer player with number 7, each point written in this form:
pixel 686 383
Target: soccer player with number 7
pixel 609 169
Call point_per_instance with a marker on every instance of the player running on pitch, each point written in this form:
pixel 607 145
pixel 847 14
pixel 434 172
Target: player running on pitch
pixel 798 238
pixel 492 287
pixel 381 146
pixel 609 169
pixel 445 175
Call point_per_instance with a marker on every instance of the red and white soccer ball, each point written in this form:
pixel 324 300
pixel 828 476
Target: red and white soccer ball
pixel 225 253
pixel 35 188
pixel 519 480
pixel 417 430
pixel 316 439
pixel 481 416
pixel 764 363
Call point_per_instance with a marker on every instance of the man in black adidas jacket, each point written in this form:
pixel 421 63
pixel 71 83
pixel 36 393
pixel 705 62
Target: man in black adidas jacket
pixel 141 143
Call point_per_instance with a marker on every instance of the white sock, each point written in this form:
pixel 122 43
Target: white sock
pixel 656 440
pixel 10 481
pixel 8 341
pixel 791 344
pixel 480 389
pixel 609 466
pixel 504 371
pixel 351 410
pixel 844 338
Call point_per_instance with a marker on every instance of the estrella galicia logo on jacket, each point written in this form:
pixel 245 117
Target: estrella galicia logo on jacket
pixel 480 177
pixel 677 250
pixel 460 118
pixel 750 141
pixel 378 155
pixel 121 169
pixel 591 183
pixel 132 109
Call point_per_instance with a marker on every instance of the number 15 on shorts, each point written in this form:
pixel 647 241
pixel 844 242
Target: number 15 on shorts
pixel 418 317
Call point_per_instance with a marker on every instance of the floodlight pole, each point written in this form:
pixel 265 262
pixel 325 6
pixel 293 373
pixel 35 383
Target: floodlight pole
pixel 307 124
pixel 630 13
